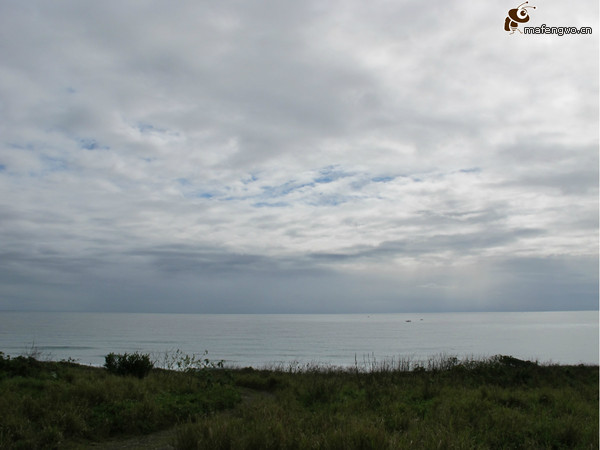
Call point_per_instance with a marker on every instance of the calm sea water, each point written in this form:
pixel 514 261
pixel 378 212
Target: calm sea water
pixel 259 340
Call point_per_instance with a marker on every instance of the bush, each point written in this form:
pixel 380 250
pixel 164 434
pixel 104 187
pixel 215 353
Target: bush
pixel 135 364
pixel 20 366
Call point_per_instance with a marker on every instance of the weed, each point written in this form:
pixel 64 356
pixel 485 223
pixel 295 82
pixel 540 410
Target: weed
pixel 498 402
pixel 135 364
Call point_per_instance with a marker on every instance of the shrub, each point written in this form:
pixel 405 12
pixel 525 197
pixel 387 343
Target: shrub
pixel 20 366
pixel 135 364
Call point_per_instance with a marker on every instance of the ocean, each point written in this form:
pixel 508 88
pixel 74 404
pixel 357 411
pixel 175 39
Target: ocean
pixel 262 340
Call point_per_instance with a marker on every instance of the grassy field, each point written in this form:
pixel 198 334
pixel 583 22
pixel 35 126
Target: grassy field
pixel 500 402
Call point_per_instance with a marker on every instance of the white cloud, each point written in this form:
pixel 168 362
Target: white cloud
pixel 202 149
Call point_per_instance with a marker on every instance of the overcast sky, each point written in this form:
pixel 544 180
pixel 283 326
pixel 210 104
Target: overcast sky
pixel 305 156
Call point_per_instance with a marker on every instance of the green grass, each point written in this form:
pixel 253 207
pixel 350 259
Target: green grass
pixel 500 402
pixel 55 404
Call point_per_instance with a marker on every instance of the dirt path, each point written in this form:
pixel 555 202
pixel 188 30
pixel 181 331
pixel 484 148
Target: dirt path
pixel 162 440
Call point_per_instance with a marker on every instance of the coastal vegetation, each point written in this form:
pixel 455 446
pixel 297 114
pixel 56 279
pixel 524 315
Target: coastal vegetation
pixel 498 402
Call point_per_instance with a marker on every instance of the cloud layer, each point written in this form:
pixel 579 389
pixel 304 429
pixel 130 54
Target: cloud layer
pixel 271 157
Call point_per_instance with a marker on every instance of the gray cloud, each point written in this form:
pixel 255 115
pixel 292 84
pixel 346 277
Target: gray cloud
pixel 296 157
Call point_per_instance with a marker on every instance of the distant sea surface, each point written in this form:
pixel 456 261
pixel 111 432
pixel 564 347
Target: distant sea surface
pixel 336 339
